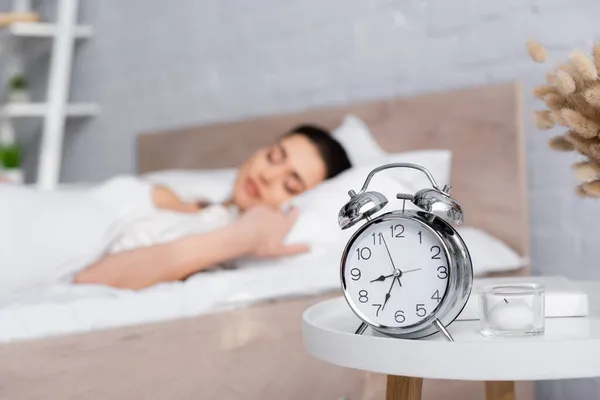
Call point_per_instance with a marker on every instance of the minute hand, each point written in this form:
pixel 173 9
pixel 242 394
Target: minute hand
pixel 389 255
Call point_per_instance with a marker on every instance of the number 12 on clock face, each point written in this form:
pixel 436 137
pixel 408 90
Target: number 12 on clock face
pixel 395 272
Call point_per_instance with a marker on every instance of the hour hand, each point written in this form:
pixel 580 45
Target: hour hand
pixel 388 295
pixel 382 278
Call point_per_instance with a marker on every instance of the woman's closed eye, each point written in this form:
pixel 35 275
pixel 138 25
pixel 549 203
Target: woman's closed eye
pixel 293 186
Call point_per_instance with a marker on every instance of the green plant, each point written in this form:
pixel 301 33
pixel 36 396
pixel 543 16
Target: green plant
pixel 18 82
pixel 11 156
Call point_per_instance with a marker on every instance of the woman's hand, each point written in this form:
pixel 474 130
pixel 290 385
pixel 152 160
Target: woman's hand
pixel 262 231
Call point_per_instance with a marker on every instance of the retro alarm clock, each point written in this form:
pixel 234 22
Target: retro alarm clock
pixel 405 273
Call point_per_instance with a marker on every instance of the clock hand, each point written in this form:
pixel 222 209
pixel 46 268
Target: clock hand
pixel 387 295
pixel 388 251
pixel 411 270
pixel 382 278
pixel 397 272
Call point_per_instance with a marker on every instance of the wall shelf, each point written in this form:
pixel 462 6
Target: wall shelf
pixel 61 37
pixel 40 110
pixel 46 30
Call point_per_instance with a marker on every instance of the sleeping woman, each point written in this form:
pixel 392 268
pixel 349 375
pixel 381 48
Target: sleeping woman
pixel 64 235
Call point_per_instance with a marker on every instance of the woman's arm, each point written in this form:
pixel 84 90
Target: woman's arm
pixel 146 266
pixel 260 232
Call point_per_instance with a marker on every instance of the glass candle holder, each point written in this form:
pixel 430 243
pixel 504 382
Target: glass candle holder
pixel 512 309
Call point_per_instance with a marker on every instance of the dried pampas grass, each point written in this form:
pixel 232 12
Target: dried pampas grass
pixel 583 65
pixel 544 90
pixel 580 144
pixel 572 98
pixel 592 96
pixel 577 79
pixel 587 147
pixel 586 171
pixel 591 189
pixel 537 52
pixel 551 79
pixel 580 124
pixel 544 120
pixel 594 151
pixel 555 102
pixel 580 191
pixel 560 143
pixel 578 102
pixel 565 82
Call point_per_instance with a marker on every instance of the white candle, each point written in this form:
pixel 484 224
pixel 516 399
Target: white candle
pixel 511 315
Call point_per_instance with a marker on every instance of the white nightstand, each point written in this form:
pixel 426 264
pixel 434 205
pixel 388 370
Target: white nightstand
pixel 569 349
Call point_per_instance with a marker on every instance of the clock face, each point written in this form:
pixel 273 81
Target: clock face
pixel 396 273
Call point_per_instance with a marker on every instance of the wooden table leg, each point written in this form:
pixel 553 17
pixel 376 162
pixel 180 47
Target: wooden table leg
pixel 499 390
pixel 403 388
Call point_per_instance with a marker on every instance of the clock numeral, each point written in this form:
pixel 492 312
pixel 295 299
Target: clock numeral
pixel 442 272
pixel 395 228
pixel 363 296
pixel 364 253
pixel 377 238
pixel 420 237
pixel 421 311
pixel 355 272
pixel 436 296
pixel 436 256
pixel 378 309
pixel 399 316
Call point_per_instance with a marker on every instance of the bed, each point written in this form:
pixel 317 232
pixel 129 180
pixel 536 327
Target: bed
pixel 255 352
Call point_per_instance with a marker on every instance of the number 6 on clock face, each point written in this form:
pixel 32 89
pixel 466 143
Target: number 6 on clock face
pixel 395 272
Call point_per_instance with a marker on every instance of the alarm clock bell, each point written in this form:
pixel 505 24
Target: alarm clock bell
pixel 359 207
pixel 433 200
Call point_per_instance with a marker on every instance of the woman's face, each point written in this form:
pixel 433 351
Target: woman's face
pixel 275 174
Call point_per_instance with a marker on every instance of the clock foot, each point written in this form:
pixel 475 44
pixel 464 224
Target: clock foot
pixel 361 329
pixel 443 330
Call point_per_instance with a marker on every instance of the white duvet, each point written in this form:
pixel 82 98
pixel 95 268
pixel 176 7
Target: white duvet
pixel 45 238
pixel 64 308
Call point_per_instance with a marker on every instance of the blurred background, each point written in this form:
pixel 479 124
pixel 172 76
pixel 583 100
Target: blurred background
pixel 139 66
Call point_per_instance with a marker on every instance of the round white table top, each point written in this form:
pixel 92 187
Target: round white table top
pixel 570 348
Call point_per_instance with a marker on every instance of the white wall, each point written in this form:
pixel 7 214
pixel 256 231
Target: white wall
pixel 156 64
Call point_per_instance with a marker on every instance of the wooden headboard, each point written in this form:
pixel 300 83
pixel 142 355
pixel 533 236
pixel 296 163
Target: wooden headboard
pixel 481 126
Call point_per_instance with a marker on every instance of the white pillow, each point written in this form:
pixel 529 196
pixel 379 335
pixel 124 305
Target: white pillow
pixel 213 185
pixel 488 253
pixel 355 137
pixel 437 162
pixel 318 227
pixel 363 149
pixel 320 206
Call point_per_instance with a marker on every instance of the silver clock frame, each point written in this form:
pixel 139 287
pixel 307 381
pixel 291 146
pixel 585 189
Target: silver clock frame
pixel 460 275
